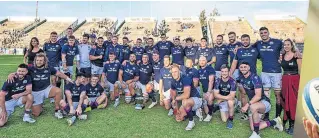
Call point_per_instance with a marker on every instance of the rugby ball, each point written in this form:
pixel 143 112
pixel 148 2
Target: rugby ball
pixel 310 101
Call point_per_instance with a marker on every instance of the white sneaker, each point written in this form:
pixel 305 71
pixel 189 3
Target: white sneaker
pixel 83 117
pixel 278 124
pixel 28 119
pixel 208 118
pixel 152 105
pixel 254 135
pixel 58 115
pixel 116 103
pixel 190 125
pixel 170 112
pixel 51 100
pixel 199 114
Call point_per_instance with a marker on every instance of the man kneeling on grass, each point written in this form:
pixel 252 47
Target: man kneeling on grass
pixel 258 103
pixel 184 92
pixel 75 94
pixel 15 94
pixel 95 94
pixel 224 93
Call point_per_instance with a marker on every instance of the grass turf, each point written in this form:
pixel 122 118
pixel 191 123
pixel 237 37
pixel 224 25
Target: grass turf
pixel 123 121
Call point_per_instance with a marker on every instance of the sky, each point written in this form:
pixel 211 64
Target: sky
pixel 157 9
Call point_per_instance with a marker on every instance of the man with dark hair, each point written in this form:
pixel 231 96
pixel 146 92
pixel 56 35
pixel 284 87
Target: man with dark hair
pixel 220 55
pixel 190 50
pixel 163 46
pixel 177 52
pixel 17 93
pixel 84 65
pixel 225 92
pixel 204 51
pixel 108 40
pixel 64 40
pixel 232 49
pixel 258 102
pixel 114 47
pixel 149 48
pixel 138 50
pixel 96 57
pixel 93 40
pixel 69 52
pixel 165 85
pixel 126 51
pixel 95 95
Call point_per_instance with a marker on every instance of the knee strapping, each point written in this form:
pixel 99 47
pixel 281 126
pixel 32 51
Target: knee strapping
pixel 128 99
pixel 145 97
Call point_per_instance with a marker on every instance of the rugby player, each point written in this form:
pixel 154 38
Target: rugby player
pixel 258 103
pixel 232 47
pixel 146 71
pixel 221 55
pixel 113 47
pixel 110 76
pixel 95 95
pixel 96 57
pixel 204 51
pixel 225 92
pixel 138 50
pixel 126 51
pixel 41 87
pixel 177 52
pixel 15 94
pixel 92 40
pixel 149 48
pixel 128 75
pixel 109 40
pixel 74 93
pixel 165 85
pixel 69 52
pixel 184 92
pixel 190 50
pixel 64 40
pixel 163 47
pixel 84 57
pixel 206 78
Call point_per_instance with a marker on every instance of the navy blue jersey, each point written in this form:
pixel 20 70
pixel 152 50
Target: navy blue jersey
pixel 184 81
pixel 221 53
pixel 190 52
pixel 138 51
pixel 130 71
pixel 64 41
pixel 249 55
pixel 206 52
pixel 41 77
pixel 98 51
pixel 164 48
pixel 146 71
pixel 177 55
pixel 192 72
pixel 204 74
pixel 16 87
pixel 107 43
pixel 116 49
pixel 251 83
pixel 94 91
pixel 125 53
pixel 225 88
pixel 156 69
pixel 149 50
pixel 75 91
pixel 231 48
pixel 53 52
pixel 166 76
pixel 111 70
pixel 71 52
pixel 269 54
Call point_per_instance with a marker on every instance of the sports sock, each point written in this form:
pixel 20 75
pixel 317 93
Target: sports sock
pixel 278 110
pixel 291 123
pixel 230 118
pixel 189 115
pixel 210 109
pixel 215 108
pixel 271 123
pixel 94 105
pixel 256 127
pixel 152 96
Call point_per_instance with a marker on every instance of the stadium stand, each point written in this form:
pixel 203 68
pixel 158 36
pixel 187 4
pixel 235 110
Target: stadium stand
pixel 222 25
pixel 282 26
pixel 137 27
pixel 184 28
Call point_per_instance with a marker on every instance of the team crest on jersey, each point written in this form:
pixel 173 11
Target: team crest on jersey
pixel 266 47
pixel 228 86
pixel 206 49
pixel 271 42
pixel 248 82
pixel 133 68
pixel 253 50
pixel 166 43
pixel 25 81
pixel 17 84
pixel 147 67
pixel 46 71
pixel 223 48
pixel 56 45
pixel 95 89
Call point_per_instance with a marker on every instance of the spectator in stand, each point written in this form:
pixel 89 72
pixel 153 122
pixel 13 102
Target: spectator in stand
pixel 34 49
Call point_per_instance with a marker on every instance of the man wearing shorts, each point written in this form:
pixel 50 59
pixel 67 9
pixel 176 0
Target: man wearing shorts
pixel 17 93
pixel 69 52
pixel 206 78
pixel 73 92
pixel 84 58
pixel 110 76
pixel 128 75
pixel 165 85
pixel 95 94
pixel 232 47
pixel 258 103
pixel 185 95
pixel 96 57
pixel 225 92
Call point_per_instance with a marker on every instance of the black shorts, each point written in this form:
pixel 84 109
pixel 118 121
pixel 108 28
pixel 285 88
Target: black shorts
pixel 85 71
